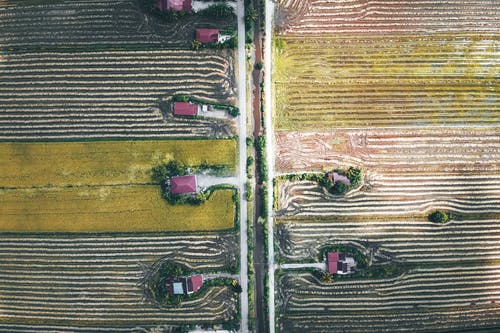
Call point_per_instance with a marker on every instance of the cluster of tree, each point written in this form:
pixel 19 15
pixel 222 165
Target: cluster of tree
pixel 438 216
pixel 161 173
pixel 158 288
pixel 323 276
pixel 354 175
pixel 218 10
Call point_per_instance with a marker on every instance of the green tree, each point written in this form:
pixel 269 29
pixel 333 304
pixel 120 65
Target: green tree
pixel 339 188
pixel 438 216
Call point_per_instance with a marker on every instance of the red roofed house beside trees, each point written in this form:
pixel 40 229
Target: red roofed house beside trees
pixel 185 109
pixel 340 263
pixel 176 5
pixel 207 35
pixel 183 185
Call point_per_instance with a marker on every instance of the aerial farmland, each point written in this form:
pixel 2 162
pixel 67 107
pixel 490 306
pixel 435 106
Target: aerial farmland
pixel 406 92
pixel 93 145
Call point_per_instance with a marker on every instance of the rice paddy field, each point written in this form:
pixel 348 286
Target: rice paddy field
pixel 407 91
pixel 59 164
pixel 132 208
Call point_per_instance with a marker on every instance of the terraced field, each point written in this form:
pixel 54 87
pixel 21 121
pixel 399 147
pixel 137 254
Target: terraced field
pixel 94 23
pixel 309 17
pixel 94 283
pixel 109 94
pixel 337 81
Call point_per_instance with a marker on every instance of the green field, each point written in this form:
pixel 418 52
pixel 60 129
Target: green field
pixel 37 164
pixel 106 186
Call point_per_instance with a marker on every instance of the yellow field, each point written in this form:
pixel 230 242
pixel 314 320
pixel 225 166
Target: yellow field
pixel 338 81
pixel 35 164
pixel 137 208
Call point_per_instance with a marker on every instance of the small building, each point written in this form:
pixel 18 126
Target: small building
pixel 176 5
pixel 186 109
pixel 335 177
pixel 183 185
pixel 340 263
pixel 207 35
pixel 184 285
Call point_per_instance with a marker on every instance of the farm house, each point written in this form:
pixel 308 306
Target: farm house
pixel 176 5
pixel 207 35
pixel 335 177
pixel 186 109
pixel 340 263
pixel 185 285
pixel 183 185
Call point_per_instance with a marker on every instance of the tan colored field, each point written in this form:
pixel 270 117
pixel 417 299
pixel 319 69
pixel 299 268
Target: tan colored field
pixel 35 164
pixel 138 208
pixel 388 81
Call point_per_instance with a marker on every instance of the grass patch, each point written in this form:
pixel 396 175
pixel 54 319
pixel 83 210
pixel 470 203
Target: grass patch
pixel 136 208
pixel 38 164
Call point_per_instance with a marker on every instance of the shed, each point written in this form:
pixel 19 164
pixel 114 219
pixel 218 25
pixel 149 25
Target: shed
pixel 178 288
pixel 185 109
pixel 183 185
pixel 207 35
pixel 177 5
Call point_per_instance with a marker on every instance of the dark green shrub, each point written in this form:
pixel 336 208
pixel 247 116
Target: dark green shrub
pixel 438 216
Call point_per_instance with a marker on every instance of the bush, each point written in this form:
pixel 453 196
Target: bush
pixel 220 10
pixel 438 217
pixel 339 188
pixel 259 65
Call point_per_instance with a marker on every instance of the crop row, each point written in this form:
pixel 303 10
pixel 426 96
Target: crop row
pixel 90 23
pixel 384 196
pixel 463 301
pixel 421 152
pixel 409 240
pixel 450 281
pixel 386 17
pixel 351 82
pixel 97 280
pixel 109 94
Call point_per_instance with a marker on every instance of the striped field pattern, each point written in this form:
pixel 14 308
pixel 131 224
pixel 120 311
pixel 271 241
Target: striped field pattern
pixel 90 23
pixel 386 16
pixel 420 152
pixel 96 281
pixel 408 92
pixel 108 94
pixel 342 81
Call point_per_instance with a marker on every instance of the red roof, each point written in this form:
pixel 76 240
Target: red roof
pixel 177 5
pixel 332 259
pixel 207 35
pixel 185 109
pixel 196 281
pixel 183 185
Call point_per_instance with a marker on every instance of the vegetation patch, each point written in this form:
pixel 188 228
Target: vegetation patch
pixel 326 180
pixel 438 216
pixel 157 285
